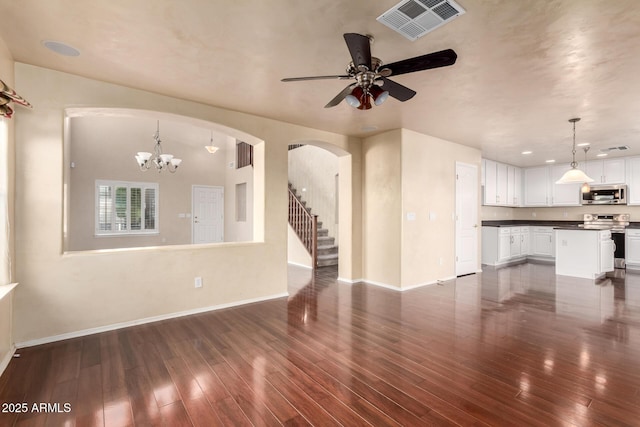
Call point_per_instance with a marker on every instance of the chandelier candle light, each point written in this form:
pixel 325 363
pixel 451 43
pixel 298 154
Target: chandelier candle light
pixel 161 161
pixel 574 175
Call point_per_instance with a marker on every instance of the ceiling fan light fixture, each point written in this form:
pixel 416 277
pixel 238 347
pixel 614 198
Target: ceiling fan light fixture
pixel 379 95
pixel 365 102
pixel 355 97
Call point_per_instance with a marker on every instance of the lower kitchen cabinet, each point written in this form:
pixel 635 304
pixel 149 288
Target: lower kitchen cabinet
pixel 632 249
pixel 501 245
pixel 542 242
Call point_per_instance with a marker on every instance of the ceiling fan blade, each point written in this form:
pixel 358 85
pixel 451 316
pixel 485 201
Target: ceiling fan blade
pixel 299 79
pixel 359 48
pixel 339 97
pixel 443 58
pixel 396 90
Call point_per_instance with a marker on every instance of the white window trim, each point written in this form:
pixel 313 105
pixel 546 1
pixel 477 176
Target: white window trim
pixel 128 184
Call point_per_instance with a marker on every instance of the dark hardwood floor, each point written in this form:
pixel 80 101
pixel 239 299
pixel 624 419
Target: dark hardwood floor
pixel 515 346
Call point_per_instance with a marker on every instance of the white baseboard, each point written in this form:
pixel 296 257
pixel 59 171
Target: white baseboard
pixel 7 358
pixel 152 319
pixel 350 281
pixel 406 288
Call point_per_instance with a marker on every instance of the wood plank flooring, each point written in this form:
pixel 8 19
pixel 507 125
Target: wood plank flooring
pixel 515 346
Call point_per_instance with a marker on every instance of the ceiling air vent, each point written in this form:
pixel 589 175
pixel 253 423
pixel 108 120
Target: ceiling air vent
pixel 415 18
pixel 619 148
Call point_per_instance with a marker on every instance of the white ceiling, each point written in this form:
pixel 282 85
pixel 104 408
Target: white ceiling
pixel 524 67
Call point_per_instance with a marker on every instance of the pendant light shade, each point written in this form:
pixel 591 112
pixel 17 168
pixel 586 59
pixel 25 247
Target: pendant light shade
pixel 574 175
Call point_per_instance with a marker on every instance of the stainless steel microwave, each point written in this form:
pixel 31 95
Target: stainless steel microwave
pixel 605 195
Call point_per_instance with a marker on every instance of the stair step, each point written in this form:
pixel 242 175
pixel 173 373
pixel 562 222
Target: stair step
pixel 327 250
pixel 323 232
pixel 326 240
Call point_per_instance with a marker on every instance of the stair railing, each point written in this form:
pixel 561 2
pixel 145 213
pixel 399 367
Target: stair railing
pixel 305 224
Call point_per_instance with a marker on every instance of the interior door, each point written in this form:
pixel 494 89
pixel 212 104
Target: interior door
pixel 207 214
pixel 467 227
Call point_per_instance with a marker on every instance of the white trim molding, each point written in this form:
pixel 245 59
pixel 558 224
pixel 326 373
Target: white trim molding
pixel 7 358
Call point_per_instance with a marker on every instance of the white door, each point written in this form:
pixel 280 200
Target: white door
pixel 466 219
pixel 207 214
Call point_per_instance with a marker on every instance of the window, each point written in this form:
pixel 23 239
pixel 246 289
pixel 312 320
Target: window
pixel 244 155
pixel 126 207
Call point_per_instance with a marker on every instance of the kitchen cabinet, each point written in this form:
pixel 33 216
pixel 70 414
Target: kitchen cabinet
pixel 501 183
pixel 633 180
pixel 542 242
pixel 536 186
pixel 514 186
pixel 524 240
pixel 517 185
pixel 490 173
pixel 563 194
pixel 501 245
pixel 632 248
pixel 609 171
pixel 519 242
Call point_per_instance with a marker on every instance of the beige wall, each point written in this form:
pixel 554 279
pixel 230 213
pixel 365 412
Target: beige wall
pixel 62 294
pixel 428 190
pixel 296 252
pixel 237 231
pixel 382 208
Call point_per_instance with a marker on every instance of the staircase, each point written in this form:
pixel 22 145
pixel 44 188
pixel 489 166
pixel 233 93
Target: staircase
pixel 327 250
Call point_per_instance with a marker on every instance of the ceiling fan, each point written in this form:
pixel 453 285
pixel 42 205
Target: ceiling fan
pixel 371 74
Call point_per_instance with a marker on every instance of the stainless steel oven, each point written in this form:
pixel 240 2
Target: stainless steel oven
pixel 617 223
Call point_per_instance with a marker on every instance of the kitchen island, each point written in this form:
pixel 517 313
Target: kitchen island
pixel 581 252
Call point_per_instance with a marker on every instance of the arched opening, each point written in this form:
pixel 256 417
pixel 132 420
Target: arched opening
pixel 113 201
pixel 320 174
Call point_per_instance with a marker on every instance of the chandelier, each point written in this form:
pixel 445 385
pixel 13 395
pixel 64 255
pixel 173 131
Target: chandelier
pixel 161 161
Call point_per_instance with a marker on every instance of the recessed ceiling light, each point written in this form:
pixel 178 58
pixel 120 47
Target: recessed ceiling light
pixel 583 144
pixel 550 161
pixel 527 152
pixel 61 48
pixel 601 154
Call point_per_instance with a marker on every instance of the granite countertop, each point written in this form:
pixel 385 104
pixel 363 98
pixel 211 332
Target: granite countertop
pixel 565 225
pixel 522 222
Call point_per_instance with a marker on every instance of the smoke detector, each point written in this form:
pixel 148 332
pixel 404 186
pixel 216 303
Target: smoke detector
pixel 415 18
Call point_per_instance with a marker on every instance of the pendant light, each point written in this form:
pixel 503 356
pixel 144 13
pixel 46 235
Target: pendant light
pixel 574 175
pixel 585 187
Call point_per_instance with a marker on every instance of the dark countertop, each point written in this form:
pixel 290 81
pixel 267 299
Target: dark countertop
pixel 523 222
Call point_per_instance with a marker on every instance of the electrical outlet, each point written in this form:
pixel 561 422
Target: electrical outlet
pixel 441 261
pixel 198 282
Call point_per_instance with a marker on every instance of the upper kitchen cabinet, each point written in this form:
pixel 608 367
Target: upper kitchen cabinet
pixel 563 194
pixel 536 186
pixel 609 171
pixel 502 184
pixel 633 181
pixel 514 186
